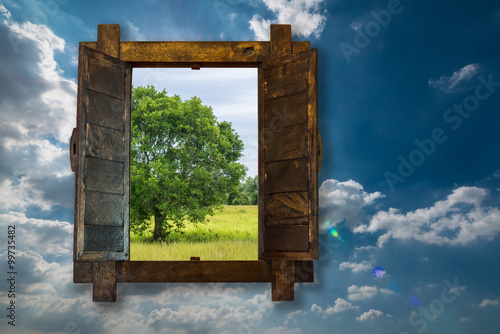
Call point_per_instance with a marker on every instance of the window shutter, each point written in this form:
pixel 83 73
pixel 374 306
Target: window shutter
pixel 288 166
pixel 103 149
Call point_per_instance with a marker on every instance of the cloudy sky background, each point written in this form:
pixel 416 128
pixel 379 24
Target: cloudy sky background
pixel 409 113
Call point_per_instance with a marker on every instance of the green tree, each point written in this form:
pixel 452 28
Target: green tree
pixel 183 161
pixel 247 194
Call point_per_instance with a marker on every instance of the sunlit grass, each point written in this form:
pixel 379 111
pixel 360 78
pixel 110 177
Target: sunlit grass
pixel 229 235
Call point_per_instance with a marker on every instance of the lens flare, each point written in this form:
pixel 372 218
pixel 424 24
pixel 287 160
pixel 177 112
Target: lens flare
pixel 414 301
pixel 332 231
pixel 222 35
pixel 378 272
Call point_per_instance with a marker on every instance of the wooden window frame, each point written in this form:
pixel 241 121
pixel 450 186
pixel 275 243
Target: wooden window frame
pixel 104 274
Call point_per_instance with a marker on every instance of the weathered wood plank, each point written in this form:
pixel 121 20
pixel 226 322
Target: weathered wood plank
pixel 219 54
pixel 103 209
pixel 313 145
pixel 103 238
pixel 286 238
pixel 82 272
pixel 286 143
pixel 300 46
pixel 161 271
pixel 281 40
pixel 104 76
pixel 193 271
pixel 104 281
pixel 282 279
pixel 286 176
pixel 292 88
pixel 286 74
pixel 287 255
pixel 287 206
pixel 286 111
pixel 103 175
pixel 105 110
pixel 108 39
pixel 105 143
pixel 261 174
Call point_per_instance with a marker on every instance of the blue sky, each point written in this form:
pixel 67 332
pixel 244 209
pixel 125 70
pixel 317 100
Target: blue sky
pixel 409 97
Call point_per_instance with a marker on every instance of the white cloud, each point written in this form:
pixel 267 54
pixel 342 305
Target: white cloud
pixel 292 317
pixel 5 12
pixel 306 17
pixel 488 302
pixel 464 319
pixel 449 84
pixel 38 114
pixel 364 292
pixel 458 220
pixel 45 237
pixel 355 267
pixel 200 319
pixel 345 201
pixel 340 305
pixel 387 292
pixel 316 308
pixel 370 315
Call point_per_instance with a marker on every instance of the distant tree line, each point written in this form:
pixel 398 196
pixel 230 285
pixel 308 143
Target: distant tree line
pixel 247 193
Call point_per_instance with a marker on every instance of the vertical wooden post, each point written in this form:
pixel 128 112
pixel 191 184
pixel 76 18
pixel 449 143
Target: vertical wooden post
pixel 282 279
pixel 104 281
pixel 282 272
pixel 108 39
pixel 104 272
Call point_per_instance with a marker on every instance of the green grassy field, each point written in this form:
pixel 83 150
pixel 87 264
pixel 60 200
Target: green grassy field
pixel 229 235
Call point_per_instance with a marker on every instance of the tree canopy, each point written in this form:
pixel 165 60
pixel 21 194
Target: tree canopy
pixel 183 161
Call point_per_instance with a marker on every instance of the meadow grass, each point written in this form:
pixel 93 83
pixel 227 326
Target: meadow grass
pixel 230 234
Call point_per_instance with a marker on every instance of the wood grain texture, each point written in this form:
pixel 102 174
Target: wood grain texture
pixel 193 271
pixel 286 176
pixel 312 126
pixel 103 238
pixel 108 39
pixel 105 143
pixel 281 40
pixel 261 174
pixel 291 166
pixel 104 76
pixel 287 208
pixel 292 88
pixel 104 281
pixel 99 118
pixel 105 110
pixel 286 143
pixel 286 238
pixel 161 271
pixel 282 280
pixel 287 255
pixel 103 175
pixel 82 272
pixel 286 74
pixel 103 209
pixel 207 54
pixel 285 111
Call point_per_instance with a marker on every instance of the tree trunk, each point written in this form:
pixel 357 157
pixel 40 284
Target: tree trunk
pixel 158 231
